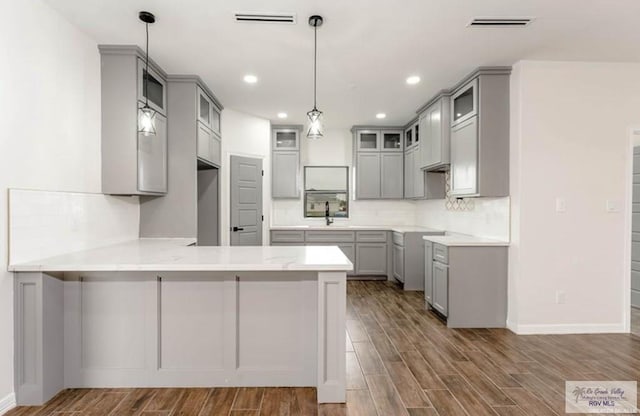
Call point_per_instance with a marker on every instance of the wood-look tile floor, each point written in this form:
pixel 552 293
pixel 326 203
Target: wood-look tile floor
pixel 401 361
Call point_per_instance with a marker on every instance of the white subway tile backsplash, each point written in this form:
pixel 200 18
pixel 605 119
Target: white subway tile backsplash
pixel 47 223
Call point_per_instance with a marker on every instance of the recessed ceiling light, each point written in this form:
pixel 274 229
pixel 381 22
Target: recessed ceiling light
pixel 282 115
pixel 413 80
pixel 250 79
pixel 381 115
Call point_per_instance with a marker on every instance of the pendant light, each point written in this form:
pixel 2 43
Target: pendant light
pixel 146 115
pixel 315 129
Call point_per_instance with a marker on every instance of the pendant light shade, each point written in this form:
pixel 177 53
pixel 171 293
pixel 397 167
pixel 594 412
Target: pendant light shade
pixel 315 128
pixel 146 115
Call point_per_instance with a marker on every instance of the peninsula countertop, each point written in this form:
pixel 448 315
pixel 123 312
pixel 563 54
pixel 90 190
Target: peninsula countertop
pixel 176 255
pixel 463 240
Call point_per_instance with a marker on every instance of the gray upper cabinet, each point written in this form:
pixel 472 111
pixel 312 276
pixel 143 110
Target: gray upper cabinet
pixel 368 141
pixel 285 162
pixel 368 176
pixel 434 124
pixel 131 164
pixel 480 134
pixel 152 159
pixel 378 162
pixel 193 154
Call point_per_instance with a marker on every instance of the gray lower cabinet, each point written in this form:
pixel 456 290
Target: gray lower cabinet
pixel 398 262
pixel 440 287
pixel 285 161
pixel 132 164
pixel 367 250
pixel 428 273
pixel 467 285
pixel 371 258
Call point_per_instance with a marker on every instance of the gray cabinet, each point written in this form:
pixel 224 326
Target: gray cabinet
pixel 378 163
pixel 428 273
pixel 368 176
pixel 419 184
pixel 367 250
pixel 208 112
pixel 191 207
pixel 132 164
pixel 209 146
pixel 441 288
pixel 434 125
pixel 398 262
pixel 409 178
pixel 285 162
pixel 152 159
pixel 371 258
pixel 480 134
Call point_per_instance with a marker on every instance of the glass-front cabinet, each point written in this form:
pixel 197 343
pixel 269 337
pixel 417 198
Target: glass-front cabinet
pixel 368 141
pixel 208 114
pixel 391 141
pixel 464 103
pixel 408 138
pixel 152 89
pixel 285 139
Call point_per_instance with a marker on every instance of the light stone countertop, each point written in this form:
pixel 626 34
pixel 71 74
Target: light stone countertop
pixel 463 240
pixel 175 255
pixel 338 227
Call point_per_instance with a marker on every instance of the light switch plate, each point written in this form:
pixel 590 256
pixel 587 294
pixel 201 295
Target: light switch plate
pixel 612 206
pixel 561 205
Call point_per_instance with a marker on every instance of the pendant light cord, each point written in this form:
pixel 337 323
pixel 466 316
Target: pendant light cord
pixel 315 64
pixel 146 75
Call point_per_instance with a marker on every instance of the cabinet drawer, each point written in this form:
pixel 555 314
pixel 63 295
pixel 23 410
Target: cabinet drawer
pixel 371 236
pixel 329 236
pixel 398 238
pixel 441 253
pixel 286 236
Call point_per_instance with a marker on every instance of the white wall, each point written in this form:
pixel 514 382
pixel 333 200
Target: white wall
pixel 244 135
pixel 50 118
pixel 335 149
pixel 570 139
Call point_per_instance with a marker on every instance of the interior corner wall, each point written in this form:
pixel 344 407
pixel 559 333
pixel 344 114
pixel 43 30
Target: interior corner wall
pixel 244 135
pixel 50 118
pixel 571 126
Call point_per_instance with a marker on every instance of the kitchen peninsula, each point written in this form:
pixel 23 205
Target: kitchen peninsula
pixel 158 312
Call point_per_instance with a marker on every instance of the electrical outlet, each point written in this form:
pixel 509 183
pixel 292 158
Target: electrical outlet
pixel 561 205
pixel 561 297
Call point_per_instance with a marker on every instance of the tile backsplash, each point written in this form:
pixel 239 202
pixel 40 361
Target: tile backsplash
pixel 46 223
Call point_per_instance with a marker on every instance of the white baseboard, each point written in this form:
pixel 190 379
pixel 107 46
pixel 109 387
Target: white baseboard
pixel 7 403
pixel 566 329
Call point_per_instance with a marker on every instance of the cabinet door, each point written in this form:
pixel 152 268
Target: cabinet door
pixel 215 148
pixel 428 272
pixel 368 141
pixel 398 262
pixel 368 176
pixel 408 174
pixel 426 144
pixel 285 139
pixel 152 159
pixel 284 179
pixel 371 258
pixel 204 142
pixel 408 138
pixel 153 92
pixel 441 288
pixel 464 158
pixel 391 141
pixel 418 173
pixel 391 175
pixel 205 109
pixel 215 120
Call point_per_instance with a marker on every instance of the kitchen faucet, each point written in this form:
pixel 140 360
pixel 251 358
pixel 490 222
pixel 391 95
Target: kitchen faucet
pixel 326 213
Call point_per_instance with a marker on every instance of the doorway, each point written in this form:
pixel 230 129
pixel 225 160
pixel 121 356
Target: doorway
pixel 246 201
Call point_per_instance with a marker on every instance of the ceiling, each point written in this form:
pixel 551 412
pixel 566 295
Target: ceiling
pixel 366 48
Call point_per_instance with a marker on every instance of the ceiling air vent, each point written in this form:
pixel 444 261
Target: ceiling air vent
pixel 289 18
pixel 500 22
